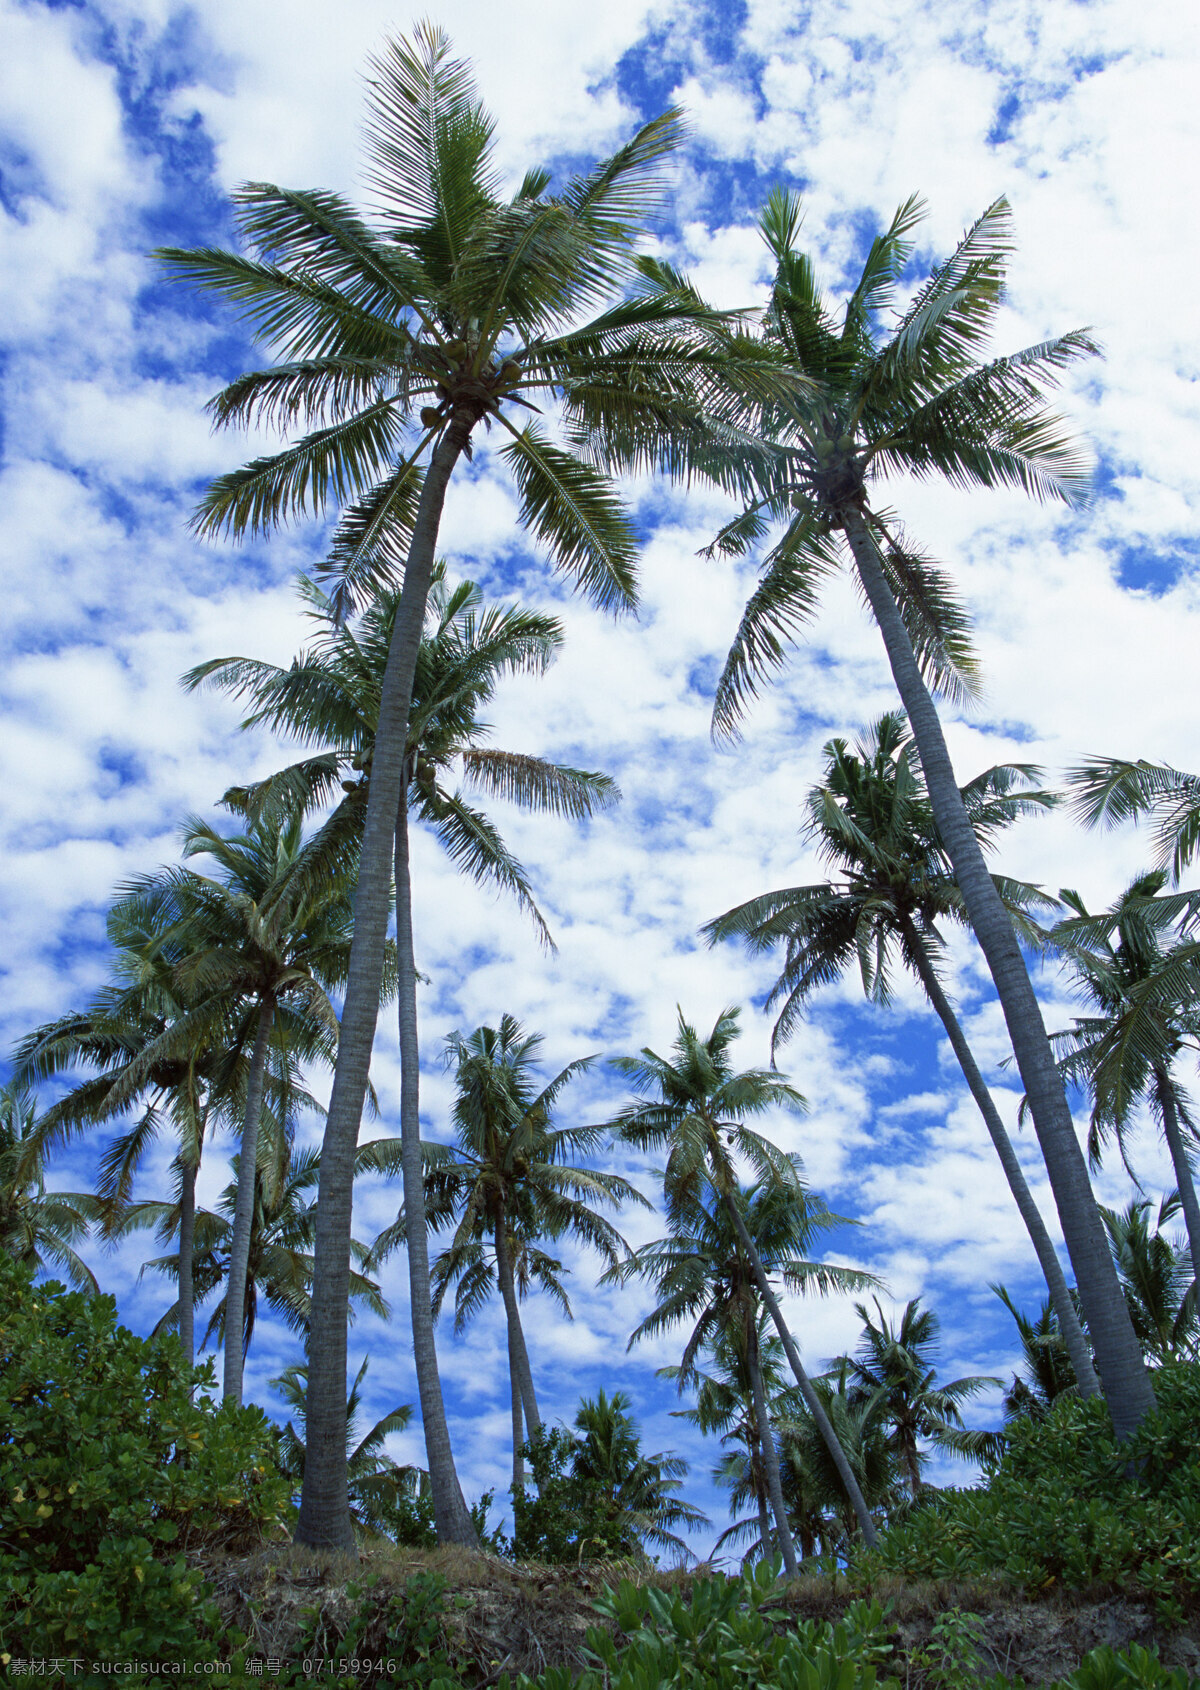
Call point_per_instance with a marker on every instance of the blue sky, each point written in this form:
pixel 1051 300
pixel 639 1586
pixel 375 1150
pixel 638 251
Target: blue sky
pixel 126 124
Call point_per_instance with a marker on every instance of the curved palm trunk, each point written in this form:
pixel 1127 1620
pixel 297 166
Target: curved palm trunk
pixel 243 1213
pixel 1127 1388
pixel 1181 1164
pixel 451 1518
pixel 770 1460
pixel 518 1354
pixel 1047 1255
pixel 187 1250
pixel 324 1507
pixel 815 1406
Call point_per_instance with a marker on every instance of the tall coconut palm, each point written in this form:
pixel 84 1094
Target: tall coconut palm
pixel 456 310
pixel 913 397
pixel 870 818
pixel 260 943
pixel 899 1363
pixel 507 1181
pixel 702 1274
pixel 39 1227
pixel 1107 791
pixel 696 1106
pixel 329 698
pixel 1141 980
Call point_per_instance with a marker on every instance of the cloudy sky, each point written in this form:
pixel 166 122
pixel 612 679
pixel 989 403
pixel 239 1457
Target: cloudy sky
pixel 126 123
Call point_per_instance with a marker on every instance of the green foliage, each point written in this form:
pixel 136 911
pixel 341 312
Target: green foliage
pixel 1135 1669
pixel 402 1639
pixel 108 1472
pixel 1068 1505
pixel 721 1637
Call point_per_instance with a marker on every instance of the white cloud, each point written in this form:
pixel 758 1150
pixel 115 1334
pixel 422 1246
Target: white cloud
pixel 1085 116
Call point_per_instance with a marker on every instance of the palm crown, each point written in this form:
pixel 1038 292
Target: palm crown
pixel 456 306
pixel 329 697
pixel 871 819
pixel 912 399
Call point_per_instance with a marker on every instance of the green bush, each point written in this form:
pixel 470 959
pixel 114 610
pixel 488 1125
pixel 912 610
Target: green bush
pixel 720 1637
pixel 108 1472
pixel 1068 1505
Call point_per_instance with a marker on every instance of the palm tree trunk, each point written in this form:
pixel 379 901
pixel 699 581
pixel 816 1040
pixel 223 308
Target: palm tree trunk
pixel 324 1509
pixel 518 1354
pixel 1127 1387
pixel 1181 1164
pixel 764 1519
pixel 452 1521
pixel 1047 1255
pixel 187 1250
pixel 815 1406
pixel 770 1458
pixel 518 1421
pixel 243 1213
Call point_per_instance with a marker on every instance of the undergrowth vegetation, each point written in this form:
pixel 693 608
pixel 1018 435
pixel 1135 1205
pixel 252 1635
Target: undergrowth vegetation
pixel 1067 1505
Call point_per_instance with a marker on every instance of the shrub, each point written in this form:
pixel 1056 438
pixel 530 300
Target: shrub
pixel 108 1471
pixel 1068 1505
pixel 720 1637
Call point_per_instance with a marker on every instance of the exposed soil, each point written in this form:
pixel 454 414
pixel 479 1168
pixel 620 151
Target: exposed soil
pixel 294 1604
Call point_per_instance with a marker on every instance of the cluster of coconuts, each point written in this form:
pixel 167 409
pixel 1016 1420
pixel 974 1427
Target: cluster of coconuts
pixel 454 352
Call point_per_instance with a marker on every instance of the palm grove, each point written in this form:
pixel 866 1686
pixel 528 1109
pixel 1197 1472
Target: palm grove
pixel 398 342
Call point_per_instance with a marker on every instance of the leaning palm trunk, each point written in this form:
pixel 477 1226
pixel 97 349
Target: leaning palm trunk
pixel 451 1518
pixel 815 1406
pixel 324 1509
pixel 1047 1255
pixel 187 1250
pixel 1181 1164
pixel 243 1213
pixel 1127 1388
pixel 518 1354
pixel 770 1460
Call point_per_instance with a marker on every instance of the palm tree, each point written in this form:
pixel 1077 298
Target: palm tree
pixel 456 309
pixel 702 1274
pixel 1046 1370
pixel 916 400
pixel 871 819
pixel 377 1484
pixel 472 1262
pixel 1158 1278
pixel 726 1404
pixel 279 1265
pixel 149 1051
pixel 39 1227
pixel 818 1504
pixel 508 1181
pixel 1142 984
pixel 1110 790
pixel 329 698
pixel 639 1491
pixel 257 947
pixel 899 1363
pixel 696 1105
